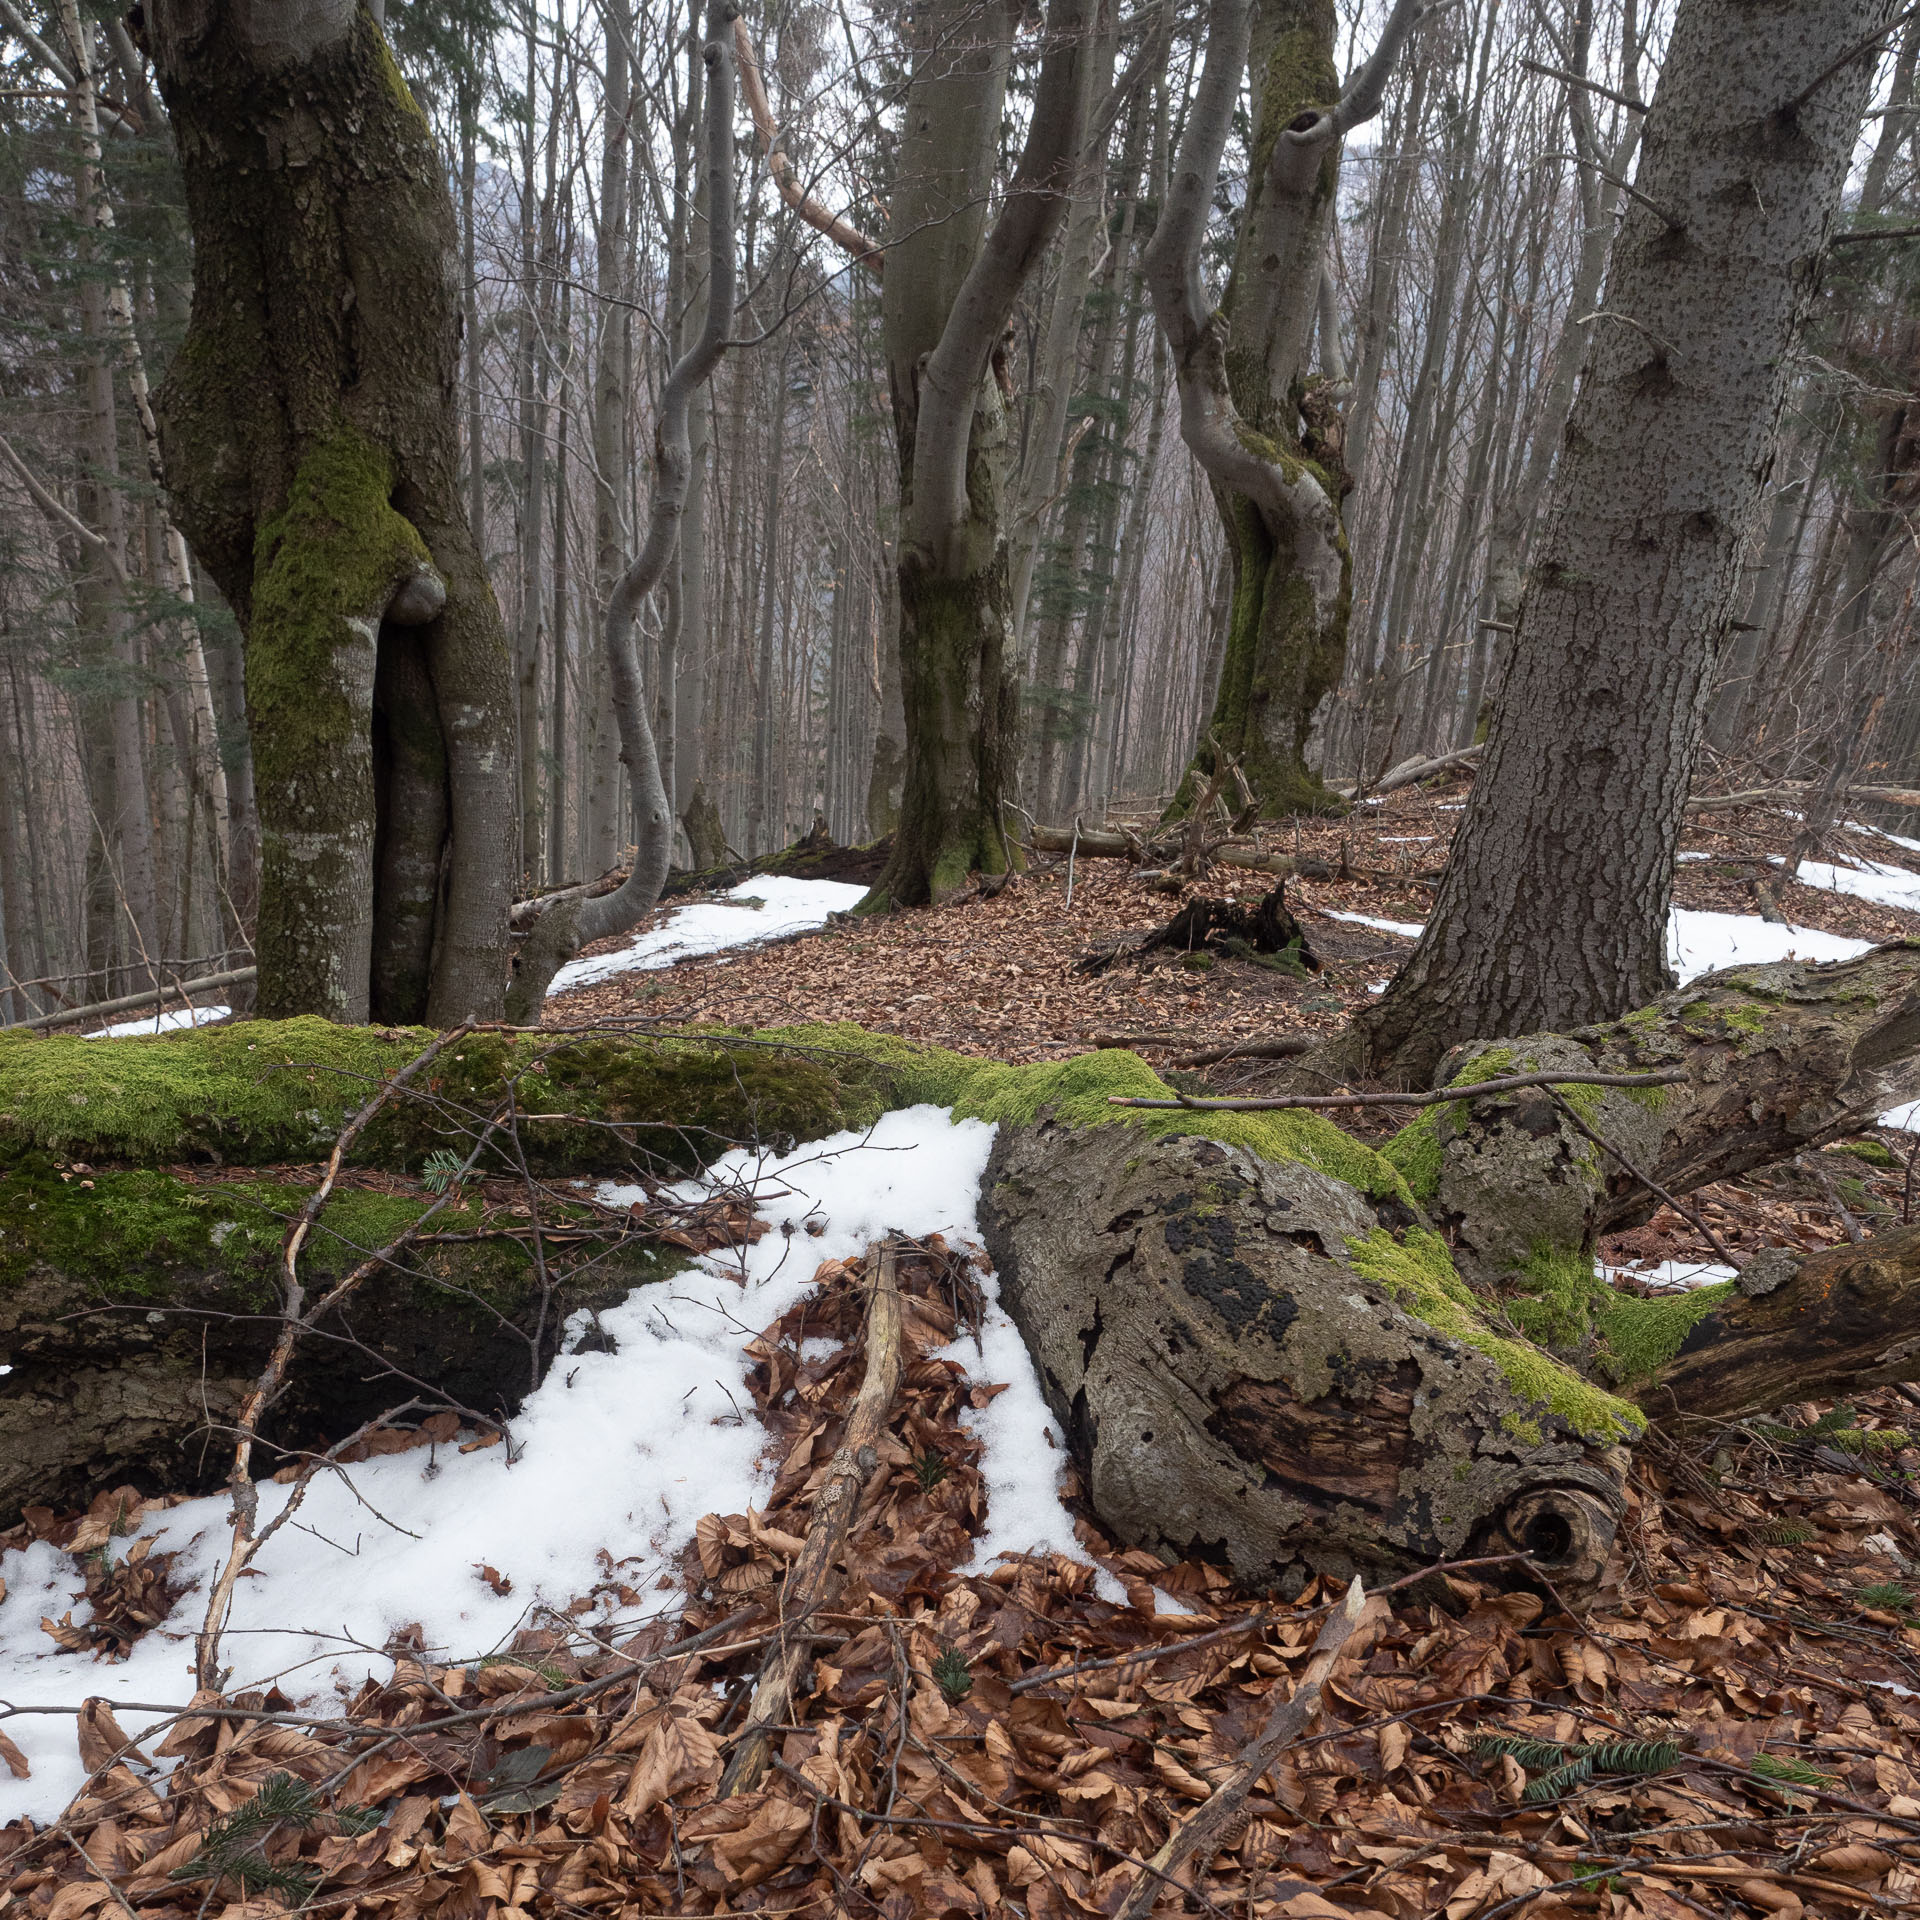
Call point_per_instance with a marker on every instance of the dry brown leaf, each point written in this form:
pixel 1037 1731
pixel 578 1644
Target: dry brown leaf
pixel 1770 1897
pixel 746 1854
pixel 102 1740
pixel 678 1751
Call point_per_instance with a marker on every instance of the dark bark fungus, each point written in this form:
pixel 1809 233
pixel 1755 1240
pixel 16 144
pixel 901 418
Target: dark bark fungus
pixel 1233 1384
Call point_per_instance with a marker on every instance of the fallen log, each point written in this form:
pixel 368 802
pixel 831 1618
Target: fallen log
pixel 1103 844
pixel 1816 1327
pixel 1249 1365
pixel 1771 1061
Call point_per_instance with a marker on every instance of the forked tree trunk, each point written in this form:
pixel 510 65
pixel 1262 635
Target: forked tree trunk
pixel 1275 468
pixel 312 444
pixel 1553 910
pixel 949 293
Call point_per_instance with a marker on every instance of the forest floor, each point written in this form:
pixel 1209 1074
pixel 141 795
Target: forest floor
pixel 1003 1711
pixel 999 977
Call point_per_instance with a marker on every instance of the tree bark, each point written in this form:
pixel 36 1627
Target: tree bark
pixel 949 292
pixel 1553 910
pixel 1277 484
pixel 310 424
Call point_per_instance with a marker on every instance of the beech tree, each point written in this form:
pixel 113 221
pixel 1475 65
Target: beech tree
pixel 949 291
pixel 1270 447
pixel 311 436
pixel 1553 909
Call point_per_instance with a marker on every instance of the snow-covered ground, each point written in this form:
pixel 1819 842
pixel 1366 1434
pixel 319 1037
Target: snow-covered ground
pixel 768 908
pixel 159 1023
pixel 618 1452
pixel 1874 880
pixel 1676 1276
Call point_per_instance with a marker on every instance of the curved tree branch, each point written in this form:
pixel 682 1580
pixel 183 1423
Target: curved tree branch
pixel 570 925
pixel 844 234
pixel 1036 203
pixel 1209 422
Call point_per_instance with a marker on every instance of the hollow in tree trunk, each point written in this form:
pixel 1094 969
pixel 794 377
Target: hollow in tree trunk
pixel 310 429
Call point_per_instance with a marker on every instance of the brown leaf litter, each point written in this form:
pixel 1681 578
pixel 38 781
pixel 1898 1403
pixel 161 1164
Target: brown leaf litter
pixel 1737 1711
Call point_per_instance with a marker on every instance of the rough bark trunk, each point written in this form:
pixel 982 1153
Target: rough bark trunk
pixel 310 423
pixel 1553 910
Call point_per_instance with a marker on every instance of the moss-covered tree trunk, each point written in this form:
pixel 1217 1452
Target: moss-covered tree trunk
pixel 949 293
pixel 311 437
pixel 1287 630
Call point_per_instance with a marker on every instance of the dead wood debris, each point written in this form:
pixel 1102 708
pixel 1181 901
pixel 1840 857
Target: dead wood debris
pixel 1748 1656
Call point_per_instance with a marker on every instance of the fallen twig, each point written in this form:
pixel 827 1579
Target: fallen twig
pixel 833 1510
pixel 1475 1091
pixel 1207 1826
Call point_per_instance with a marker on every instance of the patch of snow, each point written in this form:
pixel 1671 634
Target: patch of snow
pixel 1693 856
pixel 1407 929
pixel 1886 886
pixel 1403 839
pixel 1906 1119
pixel 1677 1276
pixel 1700 943
pixel 768 908
pixel 159 1023
pixel 617 1451
pixel 1898 839
pixel 1377 986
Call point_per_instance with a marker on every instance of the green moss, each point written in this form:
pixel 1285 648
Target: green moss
pixel 1527 1432
pixel 1871 1151
pixel 259 1092
pixel 1416 1150
pixel 1079 1092
pixel 334 552
pixel 1565 1289
pixel 1640 1336
pixel 1418 1271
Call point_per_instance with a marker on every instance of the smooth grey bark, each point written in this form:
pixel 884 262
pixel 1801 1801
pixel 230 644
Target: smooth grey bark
pixel 569 925
pixel 1553 909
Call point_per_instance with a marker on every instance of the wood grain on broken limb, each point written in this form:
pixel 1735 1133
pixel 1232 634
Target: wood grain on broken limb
pixel 1202 1833
pixel 834 1506
pixel 1848 1319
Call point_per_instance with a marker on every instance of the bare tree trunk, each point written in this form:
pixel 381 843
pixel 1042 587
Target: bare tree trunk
pixel 1553 911
pixel 570 924
pixel 310 422
pixel 950 290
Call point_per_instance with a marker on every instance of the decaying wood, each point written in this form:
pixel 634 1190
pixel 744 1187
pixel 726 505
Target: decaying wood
pixel 1814 1328
pixel 1774 1060
pixel 1230 1384
pixel 1104 844
pixel 1265 926
pixel 812 1575
pixel 1202 1832
pixel 127 1002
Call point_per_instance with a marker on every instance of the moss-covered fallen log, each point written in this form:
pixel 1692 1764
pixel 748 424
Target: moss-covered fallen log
pixel 1776 1059
pixel 1263 1339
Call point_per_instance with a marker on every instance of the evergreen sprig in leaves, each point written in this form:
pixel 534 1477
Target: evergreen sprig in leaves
pixel 1559 1769
pixel 234 1847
